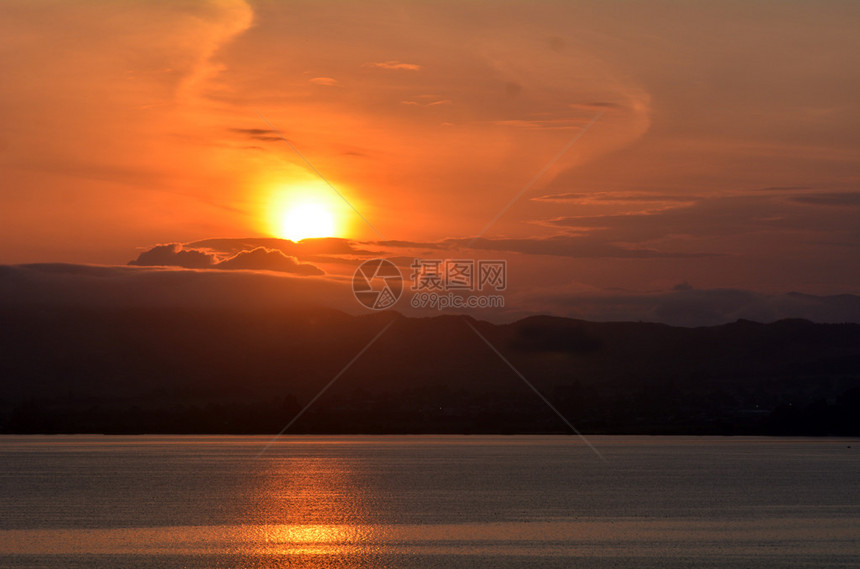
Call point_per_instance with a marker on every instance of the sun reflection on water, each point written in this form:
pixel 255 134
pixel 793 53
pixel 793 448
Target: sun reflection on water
pixel 316 539
pixel 307 534
pixel 311 505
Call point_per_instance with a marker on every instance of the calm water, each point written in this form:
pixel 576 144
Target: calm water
pixel 456 501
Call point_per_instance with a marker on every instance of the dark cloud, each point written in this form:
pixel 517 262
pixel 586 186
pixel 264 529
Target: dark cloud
pixel 257 258
pixel 262 134
pixel 173 255
pixel 262 259
pixel 253 131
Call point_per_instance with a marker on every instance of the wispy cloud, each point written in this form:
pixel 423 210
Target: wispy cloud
pixel 596 105
pixel 263 134
pixel 836 199
pixel 395 65
pixel 435 103
pixel 572 246
pixel 786 188
pixel 561 123
pixel 612 197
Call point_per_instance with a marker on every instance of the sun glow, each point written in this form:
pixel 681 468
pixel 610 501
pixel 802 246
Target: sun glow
pixel 305 220
pixel 305 211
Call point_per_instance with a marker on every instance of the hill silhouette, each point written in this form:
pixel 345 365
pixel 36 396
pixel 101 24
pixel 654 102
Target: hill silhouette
pixel 72 370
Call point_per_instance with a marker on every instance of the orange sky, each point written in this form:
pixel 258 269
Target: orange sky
pixel 726 151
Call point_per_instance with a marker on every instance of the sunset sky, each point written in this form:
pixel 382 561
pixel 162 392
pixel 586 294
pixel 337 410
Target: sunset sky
pixel 715 147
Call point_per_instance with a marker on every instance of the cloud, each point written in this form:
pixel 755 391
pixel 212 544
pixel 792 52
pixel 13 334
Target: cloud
pixel 428 103
pixel 572 246
pixel 785 188
pixel 618 203
pixel 838 199
pixel 395 65
pixel 262 259
pixel 263 134
pixel 403 244
pixel 561 123
pixel 324 81
pixel 302 249
pixel 613 197
pixel 728 217
pixel 597 105
pixel 173 255
pixel 469 85
pixel 114 116
pixel 256 259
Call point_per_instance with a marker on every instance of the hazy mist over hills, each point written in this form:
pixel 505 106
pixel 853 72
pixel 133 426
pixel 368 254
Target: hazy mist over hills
pixel 58 284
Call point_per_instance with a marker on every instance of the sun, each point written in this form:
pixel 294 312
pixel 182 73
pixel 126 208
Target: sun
pixel 304 210
pixel 305 220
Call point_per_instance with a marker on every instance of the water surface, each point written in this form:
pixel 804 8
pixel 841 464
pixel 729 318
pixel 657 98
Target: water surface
pixel 90 501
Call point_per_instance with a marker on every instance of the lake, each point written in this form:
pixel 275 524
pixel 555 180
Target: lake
pixel 428 501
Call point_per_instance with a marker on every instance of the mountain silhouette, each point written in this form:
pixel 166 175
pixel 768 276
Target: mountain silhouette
pixel 160 370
